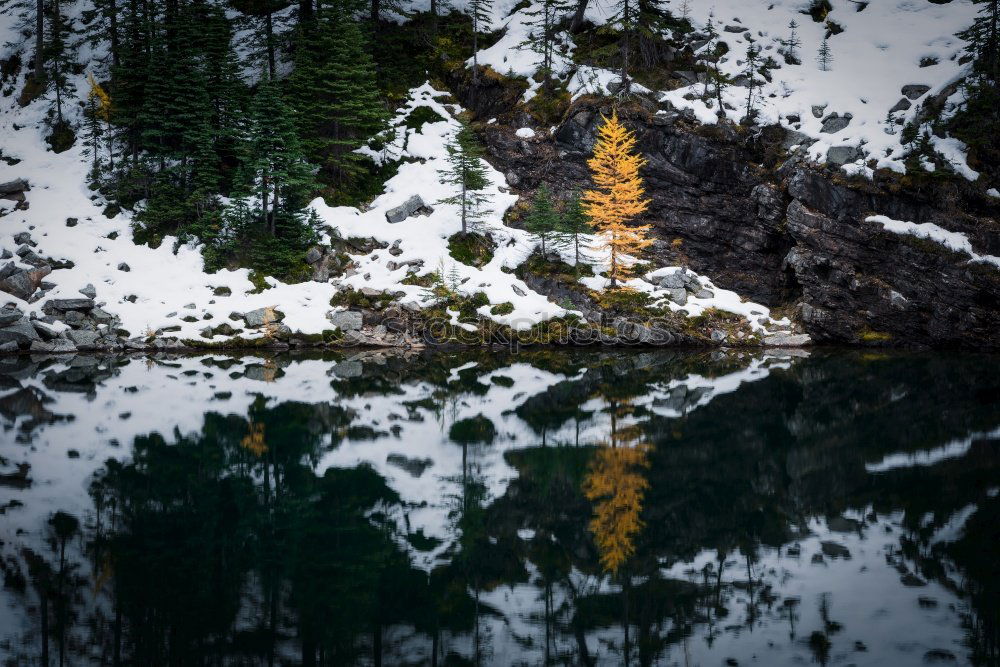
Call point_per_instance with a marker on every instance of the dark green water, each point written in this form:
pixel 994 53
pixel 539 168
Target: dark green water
pixel 547 507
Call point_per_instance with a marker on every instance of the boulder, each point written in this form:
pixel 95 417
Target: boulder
pixel 45 330
pixel 9 315
pixel 313 255
pixel 54 346
pixel 21 283
pixel 678 295
pixel 914 90
pixel 84 340
pixel 14 190
pixel 841 155
pixel 835 123
pixel 21 332
pixel 787 340
pixel 412 206
pixel 902 105
pixel 704 294
pixel 255 319
pixel 672 280
pixel 346 320
pixel 124 267
pixel 24 238
pixel 89 291
pixel 71 222
pixel 9 346
pixel 70 304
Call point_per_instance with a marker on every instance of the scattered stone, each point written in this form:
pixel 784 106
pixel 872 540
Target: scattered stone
pixel 518 291
pixel 788 340
pixel 222 291
pixel 14 190
pixel 817 559
pixel 9 346
pixel 190 306
pixel 124 267
pixel 897 300
pixel 24 238
pixel 346 320
pixel 89 291
pixel 678 295
pixel 672 280
pixel 718 335
pixel 102 316
pixel 313 255
pixel 21 283
pixel 412 206
pixel 818 110
pixel 45 330
pixel 71 222
pixel 414 466
pixel 704 294
pixel 73 453
pixel 914 90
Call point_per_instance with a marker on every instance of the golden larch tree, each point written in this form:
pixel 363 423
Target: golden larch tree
pixel 617 197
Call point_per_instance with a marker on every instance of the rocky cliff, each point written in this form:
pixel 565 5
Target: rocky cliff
pixel 737 204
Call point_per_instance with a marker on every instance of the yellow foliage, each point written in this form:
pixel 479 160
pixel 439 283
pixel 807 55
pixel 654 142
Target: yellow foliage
pixel 101 96
pixel 253 441
pixel 617 197
pixel 616 486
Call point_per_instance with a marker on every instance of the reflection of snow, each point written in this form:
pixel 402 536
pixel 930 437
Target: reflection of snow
pixel 952 450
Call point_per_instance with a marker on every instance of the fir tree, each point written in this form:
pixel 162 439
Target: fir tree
pixel 617 198
pixel 479 12
pixel 543 220
pixel 573 226
pixel 467 173
pixel 334 93
pixel 792 44
pixel 978 123
pixel 824 57
pixel 544 21
pixel 750 73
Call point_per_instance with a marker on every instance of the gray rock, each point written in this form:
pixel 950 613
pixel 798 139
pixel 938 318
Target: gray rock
pixel 313 255
pixel 835 550
pixel 6 254
pixel 788 340
pixel 102 316
pixel 46 331
pixel 54 346
pixel 415 467
pixel 21 284
pixel 914 90
pixel 897 300
pixel 84 340
pixel 70 304
pixel 902 105
pixel 347 369
pixel 841 155
pixel 412 206
pixel 9 346
pixel 672 280
pixel 124 267
pixel 818 109
pixel 9 315
pixel 796 138
pixel 262 316
pixel 23 238
pixel 21 332
pixel 71 222
pixel 678 295
pixel 346 320
pixel 834 123
pixel 89 291
pixel 704 294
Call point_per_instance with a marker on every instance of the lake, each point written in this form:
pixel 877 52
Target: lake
pixel 485 507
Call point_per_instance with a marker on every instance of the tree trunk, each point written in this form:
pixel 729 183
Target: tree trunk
pixel 627 46
pixel 58 55
pixel 578 16
pixel 269 28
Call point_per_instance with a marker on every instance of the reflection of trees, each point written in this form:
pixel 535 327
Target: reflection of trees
pixel 616 486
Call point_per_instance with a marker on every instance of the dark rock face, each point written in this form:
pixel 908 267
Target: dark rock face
pixel 792 235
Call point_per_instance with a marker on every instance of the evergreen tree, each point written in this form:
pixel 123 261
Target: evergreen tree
pixel 978 124
pixel 750 73
pixel 824 57
pixel 544 21
pixel 543 220
pixel 97 114
pixel 467 173
pixel 479 12
pixel 792 44
pixel 333 92
pixel 573 226
pixel 617 198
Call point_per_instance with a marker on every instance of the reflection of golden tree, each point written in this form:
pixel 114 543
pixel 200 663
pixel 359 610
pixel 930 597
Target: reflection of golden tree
pixel 253 441
pixel 616 486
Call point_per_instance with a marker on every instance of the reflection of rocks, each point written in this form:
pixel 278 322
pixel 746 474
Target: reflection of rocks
pixel 835 550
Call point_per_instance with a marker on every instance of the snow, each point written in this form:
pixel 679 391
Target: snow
pixel 926 230
pixel 950 450
pixel 993 192
pixel 525 132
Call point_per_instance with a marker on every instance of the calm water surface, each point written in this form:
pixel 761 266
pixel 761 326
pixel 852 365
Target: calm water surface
pixel 498 508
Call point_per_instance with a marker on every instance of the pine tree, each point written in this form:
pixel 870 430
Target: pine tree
pixel 978 123
pixel 334 93
pixel 479 12
pixel 824 57
pixel 466 171
pixel 544 21
pixel 617 197
pixel 792 44
pixel 750 73
pixel 97 114
pixel 573 226
pixel 543 220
